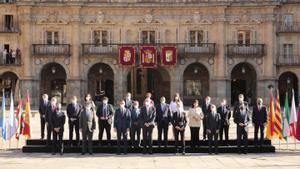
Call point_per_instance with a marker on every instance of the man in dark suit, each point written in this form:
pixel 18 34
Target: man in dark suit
pixel 51 110
pixel 128 101
pixel 241 118
pixel 259 120
pixel 148 115
pixel 58 120
pixel 179 122
pixel 43 108
pixel 122 122
pixel 206 108
pixel 163 118
pixel 105 114
pixel 135 125
pixel 73 112
pixel 225 114
pixel 213 122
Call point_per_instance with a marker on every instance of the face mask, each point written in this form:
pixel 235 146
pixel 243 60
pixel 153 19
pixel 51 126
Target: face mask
pixel 241 99
pixel 163 101
pixel 105 101
pixel 136 106
pixel 147 104
pixel 176 98
pixel 122 105
pixel 45 100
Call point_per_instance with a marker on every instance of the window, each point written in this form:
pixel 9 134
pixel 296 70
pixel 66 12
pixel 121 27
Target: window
pixel 196 38
pixel 288 20
pixel 100 38
pixel 52 38
pixel 148 37
pixel 192 88
pixel 287 50
pixel 8 22
pixel 244 38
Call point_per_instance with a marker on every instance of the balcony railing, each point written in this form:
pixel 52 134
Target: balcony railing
pixel 7 1
pixel 204 49
pixel 293 27
pixel 49 49
pixel 96 49
pixel 9 29
pixel 200 49
pixel 288 60
pixel 238 50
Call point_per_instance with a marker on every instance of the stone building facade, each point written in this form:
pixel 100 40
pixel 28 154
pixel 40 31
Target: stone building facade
pixel 225 47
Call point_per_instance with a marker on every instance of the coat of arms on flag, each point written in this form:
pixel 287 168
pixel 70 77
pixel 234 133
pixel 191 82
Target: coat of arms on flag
pixel 168 55
pixel 148 56
pixel 127 55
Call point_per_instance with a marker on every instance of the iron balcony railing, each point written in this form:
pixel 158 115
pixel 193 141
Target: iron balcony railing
pixel 203 49
pixel 288 60
pixel 283 27
pixel 51 49
pixel 245 50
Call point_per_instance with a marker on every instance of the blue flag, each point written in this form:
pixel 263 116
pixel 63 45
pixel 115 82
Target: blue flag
pixel 12 120
pixel 3 118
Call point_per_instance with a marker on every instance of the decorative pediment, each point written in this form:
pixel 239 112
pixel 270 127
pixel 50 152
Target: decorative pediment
pixel 244 19
pixel 197 18
pixel 100 18
pixel 148 19
pixel 52 18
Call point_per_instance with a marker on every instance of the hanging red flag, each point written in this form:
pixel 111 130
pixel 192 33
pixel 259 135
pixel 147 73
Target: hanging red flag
pixel 148 56
pixel 127 55
pixel 168 55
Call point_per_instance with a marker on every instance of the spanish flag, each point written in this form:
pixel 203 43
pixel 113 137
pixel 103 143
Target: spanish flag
pixel 26 129
pixel 270 125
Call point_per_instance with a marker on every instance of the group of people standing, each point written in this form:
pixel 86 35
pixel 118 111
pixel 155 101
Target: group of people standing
pixel 11 56
pixel 132 119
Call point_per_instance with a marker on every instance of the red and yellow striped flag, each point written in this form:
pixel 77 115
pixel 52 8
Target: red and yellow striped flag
pixel 270 124
pixel 27 128
pixel 278 119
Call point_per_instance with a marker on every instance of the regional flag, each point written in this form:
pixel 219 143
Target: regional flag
pixel 3 118
pixel 293 116
pixel 27 129
pixel 270 124
pixel 12 120
pixel 278 119
pixel 286 117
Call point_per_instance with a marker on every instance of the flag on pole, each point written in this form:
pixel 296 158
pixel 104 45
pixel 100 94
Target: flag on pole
pixel 286 117
pixel 278 119
pixel 18 113
pixel 293 116
pixel 3 118
pixel 298 125
pixel 270 124
pixel 12 120
pixel 27 129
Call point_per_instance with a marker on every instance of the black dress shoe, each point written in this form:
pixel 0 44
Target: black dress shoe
pixel 91 153
pixel 82 153
pixel 53 153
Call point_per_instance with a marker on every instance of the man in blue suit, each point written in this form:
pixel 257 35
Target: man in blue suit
pixel 122 122
pixel 259 120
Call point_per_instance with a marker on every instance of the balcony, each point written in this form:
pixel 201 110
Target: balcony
pixel 98 49
pixel 9 29
pixel 288 60
pixel 7 1
pixel 283 27
pixel 249 50
pixel 203 49
pixel 49 49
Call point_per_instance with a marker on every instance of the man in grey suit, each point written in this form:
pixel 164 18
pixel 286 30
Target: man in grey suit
pixel 148 115
pixel 87 124
pixel 213 122
pixel 122 122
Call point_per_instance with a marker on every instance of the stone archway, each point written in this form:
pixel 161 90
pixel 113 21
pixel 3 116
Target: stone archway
pixel 9 82
pixel 286 82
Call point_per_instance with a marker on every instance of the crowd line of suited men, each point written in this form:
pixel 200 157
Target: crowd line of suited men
pixel 130 119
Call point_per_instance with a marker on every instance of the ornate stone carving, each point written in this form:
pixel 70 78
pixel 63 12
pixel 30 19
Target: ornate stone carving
pixel 100 18
pixel 52 18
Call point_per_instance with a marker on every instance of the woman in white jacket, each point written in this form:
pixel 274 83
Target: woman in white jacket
pixel 195 116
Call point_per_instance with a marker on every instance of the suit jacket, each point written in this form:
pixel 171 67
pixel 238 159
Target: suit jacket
pixel 242 117
pixel 49 114
pixel 87 118
pixel 213 121
pixel 136 116
pixel 179 119
pixel 148 117
pixel 73 112
pixel 225 115
pixel 206 109
pixel 43 108
pixel 58 120
pixel 110 112
pixel 237 107
pixel 122 120
pixel 259 117
pixel 163 116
